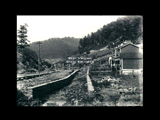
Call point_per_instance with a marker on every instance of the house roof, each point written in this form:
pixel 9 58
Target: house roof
pixel 131 55
pixel 120 47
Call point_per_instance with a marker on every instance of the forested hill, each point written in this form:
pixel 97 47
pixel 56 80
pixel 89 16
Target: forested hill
pixel 56 47
pixel 113 34
pixel 28 60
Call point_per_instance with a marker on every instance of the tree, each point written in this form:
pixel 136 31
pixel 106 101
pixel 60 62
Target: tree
pixel 23 41
pixel 113 34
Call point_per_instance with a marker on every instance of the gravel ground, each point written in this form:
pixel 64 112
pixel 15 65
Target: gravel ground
pixel 24 95
pixel 128 92
pixel 67 96
pixel 42 79
pixel 76 94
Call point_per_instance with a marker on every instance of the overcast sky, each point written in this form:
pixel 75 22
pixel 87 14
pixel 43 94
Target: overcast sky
pixel 45 27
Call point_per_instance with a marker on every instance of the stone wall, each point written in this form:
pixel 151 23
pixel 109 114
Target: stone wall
pixel 45 89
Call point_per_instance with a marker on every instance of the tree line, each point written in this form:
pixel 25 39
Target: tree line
pixel 113 34
pixel 22 42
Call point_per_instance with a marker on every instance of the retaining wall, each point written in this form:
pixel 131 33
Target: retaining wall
pixel 89 83
pixel 47 88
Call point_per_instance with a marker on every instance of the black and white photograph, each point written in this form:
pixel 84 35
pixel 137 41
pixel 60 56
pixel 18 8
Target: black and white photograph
pixel 79 60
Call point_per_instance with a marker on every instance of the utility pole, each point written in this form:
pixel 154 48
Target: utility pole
pixel 77 59
pixel 39 57
pixel 55 67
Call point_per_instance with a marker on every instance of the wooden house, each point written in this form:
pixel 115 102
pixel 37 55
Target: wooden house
pixel 128 57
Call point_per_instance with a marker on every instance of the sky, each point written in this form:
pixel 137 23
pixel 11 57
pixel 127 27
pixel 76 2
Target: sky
pixel 45 27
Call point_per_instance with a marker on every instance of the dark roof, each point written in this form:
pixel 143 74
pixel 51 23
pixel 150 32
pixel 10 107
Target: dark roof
pixel 131 55
pixel 120 47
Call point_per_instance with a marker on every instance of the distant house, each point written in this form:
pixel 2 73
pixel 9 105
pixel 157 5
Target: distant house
pixel 128 57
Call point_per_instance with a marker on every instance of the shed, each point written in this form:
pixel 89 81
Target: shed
pixel 129 56
pixel 131 60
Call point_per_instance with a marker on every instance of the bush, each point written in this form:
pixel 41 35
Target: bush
pixel 21 98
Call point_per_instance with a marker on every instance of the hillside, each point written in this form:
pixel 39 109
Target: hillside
pixel 58 48
pixel 105 50
pixel 113 34
pixel 28 60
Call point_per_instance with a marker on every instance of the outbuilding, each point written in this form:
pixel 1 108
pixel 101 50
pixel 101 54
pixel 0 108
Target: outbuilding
pixel 129 58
